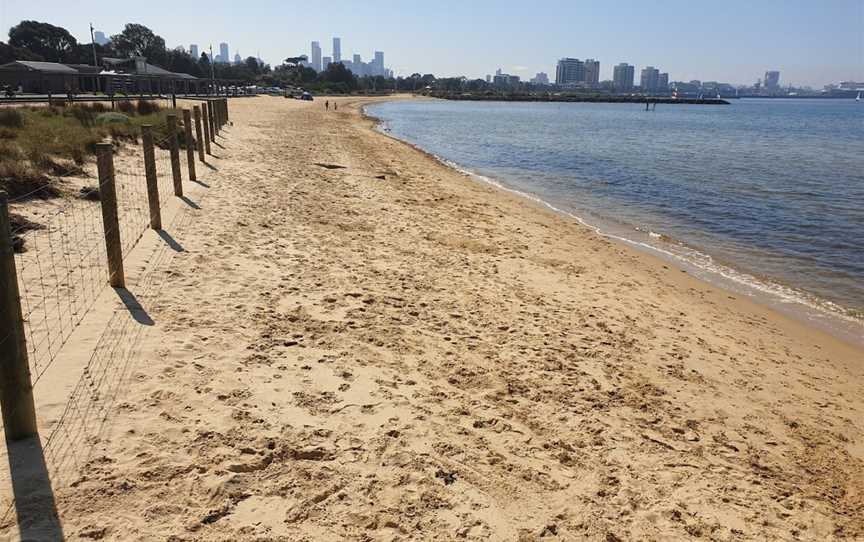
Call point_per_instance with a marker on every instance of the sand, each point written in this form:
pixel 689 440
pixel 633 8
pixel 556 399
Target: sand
pixel 339 338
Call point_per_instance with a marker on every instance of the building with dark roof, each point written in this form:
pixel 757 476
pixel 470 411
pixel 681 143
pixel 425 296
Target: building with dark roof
pixel 129 75
pixel 39 77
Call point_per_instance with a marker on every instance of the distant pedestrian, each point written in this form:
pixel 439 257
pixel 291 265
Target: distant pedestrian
pixel 335 106
pixel 327 105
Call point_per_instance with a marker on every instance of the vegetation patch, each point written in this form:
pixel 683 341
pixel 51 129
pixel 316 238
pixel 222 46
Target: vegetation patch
pixel 41 143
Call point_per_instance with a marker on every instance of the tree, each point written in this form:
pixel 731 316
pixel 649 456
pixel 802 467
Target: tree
pixel 9 53
pixel 252 65
pixel 179 61
pixel 52 43
pixel 336 72
pixel 138 40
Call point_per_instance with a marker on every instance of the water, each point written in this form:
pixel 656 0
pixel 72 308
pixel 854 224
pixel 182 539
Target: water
pixel 768 195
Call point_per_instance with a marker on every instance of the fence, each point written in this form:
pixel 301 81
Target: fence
pixel 52 273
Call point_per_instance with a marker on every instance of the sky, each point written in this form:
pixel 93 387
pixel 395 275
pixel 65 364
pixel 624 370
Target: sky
pixel 812 42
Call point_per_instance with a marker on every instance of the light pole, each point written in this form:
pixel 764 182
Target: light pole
pixel 93 45
pixel 212 70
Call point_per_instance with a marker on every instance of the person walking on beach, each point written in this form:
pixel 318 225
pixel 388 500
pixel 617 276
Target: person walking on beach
pixel 335 106
pixel 327 105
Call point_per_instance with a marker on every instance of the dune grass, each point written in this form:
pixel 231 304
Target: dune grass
pixel 38 143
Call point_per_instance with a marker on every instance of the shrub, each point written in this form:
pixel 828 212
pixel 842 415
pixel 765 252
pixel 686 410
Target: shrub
pixel 6 133
pixel 113 118
pixel 18 179
pixel 146 107
pixel 126 106
pixel 11 118
pixel 85 115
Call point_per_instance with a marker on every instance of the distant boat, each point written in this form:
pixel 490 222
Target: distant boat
pixel 858 98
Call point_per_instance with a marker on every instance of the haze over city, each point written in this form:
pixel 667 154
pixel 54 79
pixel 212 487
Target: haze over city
pixel 811 43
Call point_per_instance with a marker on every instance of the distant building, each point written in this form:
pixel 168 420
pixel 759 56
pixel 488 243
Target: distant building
pixel 377 67
pixel 237 58
pixel 498 71
pixel 540 79
pixel 505 80
pixel 662 82
pixel 223 56
pixel 649 79
pixel 592 72
pixel 488 78
pixel 316 56
pixel 569 71
pixel 193 51
pixel 100 37
pixel 772 80
pixel 622 77
pixel 337 50
pixel 326 61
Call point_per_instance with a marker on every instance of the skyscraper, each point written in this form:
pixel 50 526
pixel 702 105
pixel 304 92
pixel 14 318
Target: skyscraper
pixel 100 38
pixel 772 80
pixel 193 51
pixel 569 71
pixel 223 53
pixel 622 77
pixel 592 71
pixel 316 56
pixel 325 62
pixel 649 79
pixel 238 59
pixel 663 82
pixel 378 63
pixel 337 50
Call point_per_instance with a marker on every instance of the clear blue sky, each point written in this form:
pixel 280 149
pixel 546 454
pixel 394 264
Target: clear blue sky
pixel 811 42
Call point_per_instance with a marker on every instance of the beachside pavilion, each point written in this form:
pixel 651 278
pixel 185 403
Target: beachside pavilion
pixel 40 77
pixel 129 75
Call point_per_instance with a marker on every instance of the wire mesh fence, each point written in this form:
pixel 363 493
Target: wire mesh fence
pixel 61 260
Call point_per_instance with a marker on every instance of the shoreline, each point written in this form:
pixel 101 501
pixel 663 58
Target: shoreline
pixel 348 340
pixel 804 307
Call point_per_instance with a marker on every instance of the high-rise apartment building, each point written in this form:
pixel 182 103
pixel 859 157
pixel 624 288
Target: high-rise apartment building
pixel 100 37
pixel 223 53
pixel 662 82
pixel 193 51
pixel 326 61
pixel 622 77
pixel 592 71
pixel 337 50
pixel 649 79
pixel 569 71
pixel 772 80
pixel 316 56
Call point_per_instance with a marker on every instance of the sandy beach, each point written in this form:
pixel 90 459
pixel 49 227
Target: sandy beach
pixel 339 338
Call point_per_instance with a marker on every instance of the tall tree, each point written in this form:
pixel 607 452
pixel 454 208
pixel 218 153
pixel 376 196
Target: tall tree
pixel 9 53
pixel 52 43
pixel 138 40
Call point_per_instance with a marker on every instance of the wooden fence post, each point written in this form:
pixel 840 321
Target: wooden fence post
pixel 198 135
pixel 16 388
pixel 110 221
pixel 225 110
pixel 207 132
pixel 150 171
pixel 175 155
pixel 227 117
pixel 190 144
pixel 211 113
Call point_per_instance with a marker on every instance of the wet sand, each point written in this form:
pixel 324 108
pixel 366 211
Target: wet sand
pixel 357 342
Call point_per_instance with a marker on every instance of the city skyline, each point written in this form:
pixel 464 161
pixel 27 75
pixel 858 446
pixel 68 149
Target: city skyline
pixel 732 45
